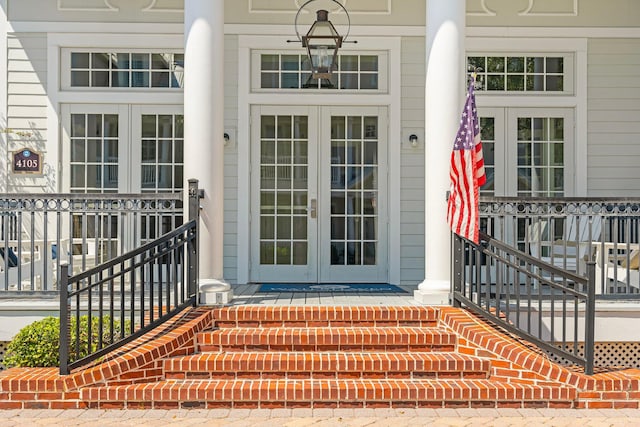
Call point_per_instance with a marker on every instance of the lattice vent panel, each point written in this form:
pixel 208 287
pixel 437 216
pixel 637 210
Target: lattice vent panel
pixel 3 351
pixel 610 354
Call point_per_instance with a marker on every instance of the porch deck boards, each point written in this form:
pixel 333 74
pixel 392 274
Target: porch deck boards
pixel 248 294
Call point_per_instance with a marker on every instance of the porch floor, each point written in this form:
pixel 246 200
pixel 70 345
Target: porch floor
pixel 248 294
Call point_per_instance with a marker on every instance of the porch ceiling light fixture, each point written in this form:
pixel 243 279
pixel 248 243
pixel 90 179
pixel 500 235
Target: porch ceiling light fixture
pixel 322 41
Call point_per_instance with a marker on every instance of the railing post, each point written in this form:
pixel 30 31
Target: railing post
pixel 456 277
pixel 192 248
pixel 64 319
pixel 590 318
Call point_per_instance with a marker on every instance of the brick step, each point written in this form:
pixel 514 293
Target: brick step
pixel 321 316
pixel 327 339
pixel 308 365
pixel 328 393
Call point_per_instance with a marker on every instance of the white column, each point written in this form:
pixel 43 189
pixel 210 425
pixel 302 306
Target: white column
pixel 204 125
pixel 444 97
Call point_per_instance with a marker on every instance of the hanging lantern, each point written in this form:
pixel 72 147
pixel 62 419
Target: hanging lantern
pixel 322 42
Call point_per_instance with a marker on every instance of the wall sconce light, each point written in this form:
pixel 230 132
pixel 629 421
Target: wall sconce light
pixel 226 138
pixel 413 139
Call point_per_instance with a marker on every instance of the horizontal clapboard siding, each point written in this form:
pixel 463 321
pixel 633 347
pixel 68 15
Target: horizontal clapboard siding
pixel 613 111
pixel 412 159
pixel 231 161
pixel 27 101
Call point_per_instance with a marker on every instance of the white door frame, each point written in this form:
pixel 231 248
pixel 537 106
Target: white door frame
pixel 319 267
pixel 246 98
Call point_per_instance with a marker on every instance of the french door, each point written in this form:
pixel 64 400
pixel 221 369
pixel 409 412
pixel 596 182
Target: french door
pixel 120 148
pixel 528 151
pixel 319 194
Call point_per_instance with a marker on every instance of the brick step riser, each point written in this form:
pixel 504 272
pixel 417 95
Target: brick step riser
pixel 211 348
pixel 222 324
pixel 326 339
pixel 374 404
pixel 301 365
pixel 327 364
pixel 367 315
pixel 343 375
pixel 316 393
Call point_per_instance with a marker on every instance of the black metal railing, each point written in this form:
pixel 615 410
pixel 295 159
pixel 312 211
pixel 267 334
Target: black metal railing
pixel 546 305
pixel 107 306
pixel 568 232
pixel 39 232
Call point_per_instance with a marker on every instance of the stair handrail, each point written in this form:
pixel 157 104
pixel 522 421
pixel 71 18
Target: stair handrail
pixel 119 300
pixel 515 291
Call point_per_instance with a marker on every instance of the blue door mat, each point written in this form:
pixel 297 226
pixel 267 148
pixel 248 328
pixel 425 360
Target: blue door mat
pixel 377 288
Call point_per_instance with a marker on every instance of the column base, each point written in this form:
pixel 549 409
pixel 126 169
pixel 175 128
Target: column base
pixel 433 292
pixel 214 292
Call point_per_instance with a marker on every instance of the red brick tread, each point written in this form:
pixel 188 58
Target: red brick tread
pixel 362 392
pixel 327 339
pixel 316 316
pixel 326 365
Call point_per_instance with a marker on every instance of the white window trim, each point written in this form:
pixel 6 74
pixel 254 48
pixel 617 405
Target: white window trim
pixel 56 42
pixel 577 100
pixel 383 75
pixel 247 98
pixel 65 72
pixel 568 73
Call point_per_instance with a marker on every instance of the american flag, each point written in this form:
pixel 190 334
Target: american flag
pixel 467 173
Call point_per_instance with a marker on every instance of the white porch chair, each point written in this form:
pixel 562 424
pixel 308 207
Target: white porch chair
pixel 571 251
pixel 620 263
pixel 30 265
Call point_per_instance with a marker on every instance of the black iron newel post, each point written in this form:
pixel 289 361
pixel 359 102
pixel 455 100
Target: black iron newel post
pixel 456 275
pixel 590 318
pixel 64 319
pixel 194 215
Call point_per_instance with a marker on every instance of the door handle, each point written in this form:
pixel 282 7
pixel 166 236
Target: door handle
pixel 313 209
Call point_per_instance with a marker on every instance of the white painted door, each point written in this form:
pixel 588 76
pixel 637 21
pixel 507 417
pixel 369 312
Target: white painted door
pixel 319 192
pixel 528 151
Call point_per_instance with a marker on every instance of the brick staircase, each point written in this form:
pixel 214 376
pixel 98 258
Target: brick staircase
pixel 319 357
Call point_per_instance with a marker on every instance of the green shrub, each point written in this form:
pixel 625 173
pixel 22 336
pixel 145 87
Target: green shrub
pixel 38 344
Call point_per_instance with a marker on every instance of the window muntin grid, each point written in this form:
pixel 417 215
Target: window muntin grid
pixel 540 152
pixel 94 153
pixel 488 137
pixel 354 190
pixel 162 166
pixel 520 73
pixel 126 70
pixel 284 188
pixel 162 153
pixel 94 166
pixel 292 71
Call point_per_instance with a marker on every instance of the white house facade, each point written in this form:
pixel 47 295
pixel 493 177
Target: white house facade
pixel 309 181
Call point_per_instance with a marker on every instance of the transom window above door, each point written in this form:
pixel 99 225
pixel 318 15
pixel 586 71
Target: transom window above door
pixel 364 72
pixel 106 69
pixel 537 73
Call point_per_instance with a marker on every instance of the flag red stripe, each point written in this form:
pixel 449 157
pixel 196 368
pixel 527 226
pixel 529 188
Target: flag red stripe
pixel 467 174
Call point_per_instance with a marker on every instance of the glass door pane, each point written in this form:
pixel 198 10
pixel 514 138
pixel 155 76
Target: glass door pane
pixel 353 195
pixel 95 141
pixel 354 190
pixel 161 149
pixel 284 194
pixel 284 148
